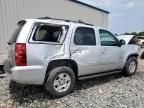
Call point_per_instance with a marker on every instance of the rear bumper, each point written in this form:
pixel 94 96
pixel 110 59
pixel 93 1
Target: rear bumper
pixel 27 74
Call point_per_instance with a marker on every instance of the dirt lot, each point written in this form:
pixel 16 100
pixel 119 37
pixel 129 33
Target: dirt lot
pixel 111 91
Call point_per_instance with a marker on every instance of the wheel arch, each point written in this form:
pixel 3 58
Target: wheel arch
pixel 62 62
pixel 133 55
pixel 126 68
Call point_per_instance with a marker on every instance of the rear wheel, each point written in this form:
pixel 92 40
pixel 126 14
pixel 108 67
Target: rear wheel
pixel 131 66
pixel 61 81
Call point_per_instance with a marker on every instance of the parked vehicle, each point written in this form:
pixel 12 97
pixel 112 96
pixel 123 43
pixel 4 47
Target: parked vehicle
pixel 55 53
pixel 130 39
pixel 141 41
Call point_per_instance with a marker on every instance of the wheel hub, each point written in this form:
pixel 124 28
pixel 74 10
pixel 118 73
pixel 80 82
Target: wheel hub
pixel 132 67
pixel 62 82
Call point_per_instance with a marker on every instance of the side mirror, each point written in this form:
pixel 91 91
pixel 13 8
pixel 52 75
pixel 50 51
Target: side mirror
pixel 122 42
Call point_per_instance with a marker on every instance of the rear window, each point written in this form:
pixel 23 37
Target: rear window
pixel 15 34
pixel 49 33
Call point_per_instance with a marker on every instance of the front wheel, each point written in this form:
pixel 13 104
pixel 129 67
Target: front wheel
pixel 61 81
pixel 131 66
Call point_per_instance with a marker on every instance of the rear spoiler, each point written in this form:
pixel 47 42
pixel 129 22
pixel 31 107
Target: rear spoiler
pixel 9 43
pixel 21 22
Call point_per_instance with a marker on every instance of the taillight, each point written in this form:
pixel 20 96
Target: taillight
pixel 20 54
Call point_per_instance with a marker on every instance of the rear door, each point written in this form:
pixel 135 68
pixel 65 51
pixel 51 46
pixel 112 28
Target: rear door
pixel 84 50
pixel 110 51
pixel 10 62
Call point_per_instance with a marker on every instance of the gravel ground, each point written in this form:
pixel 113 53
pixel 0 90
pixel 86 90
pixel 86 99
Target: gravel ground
pixel 111 91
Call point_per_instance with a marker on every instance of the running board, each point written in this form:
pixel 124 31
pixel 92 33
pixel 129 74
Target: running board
pixel 98 75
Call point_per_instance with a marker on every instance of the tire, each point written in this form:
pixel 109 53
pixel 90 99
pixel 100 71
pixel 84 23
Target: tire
pixel 131 66
pixel 1 69
pixel 60 81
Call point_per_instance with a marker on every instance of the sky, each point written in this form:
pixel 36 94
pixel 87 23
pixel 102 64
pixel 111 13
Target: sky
pixel 125 15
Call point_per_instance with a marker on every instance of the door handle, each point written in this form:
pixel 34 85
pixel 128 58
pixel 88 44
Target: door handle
pixel 75 50
pixel 103 51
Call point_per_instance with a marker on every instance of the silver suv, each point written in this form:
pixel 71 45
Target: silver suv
pixel 55 53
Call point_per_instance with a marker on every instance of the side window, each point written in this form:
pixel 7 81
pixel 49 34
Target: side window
pixel 84 36
pixel 107 38
pixel 48 33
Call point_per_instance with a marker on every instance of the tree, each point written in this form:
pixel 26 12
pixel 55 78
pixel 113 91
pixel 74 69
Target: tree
pixel 126 33
pixel 141 33
pixel 133 33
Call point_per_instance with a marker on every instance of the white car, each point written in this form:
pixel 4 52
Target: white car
pixel 141 40
pixel 129 39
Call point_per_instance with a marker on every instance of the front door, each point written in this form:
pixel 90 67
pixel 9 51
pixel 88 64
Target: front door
pixel 110 51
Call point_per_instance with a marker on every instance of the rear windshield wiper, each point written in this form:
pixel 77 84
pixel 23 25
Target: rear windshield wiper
pixel 9 43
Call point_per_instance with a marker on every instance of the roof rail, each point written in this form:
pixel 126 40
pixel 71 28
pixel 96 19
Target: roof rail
pixel 79 21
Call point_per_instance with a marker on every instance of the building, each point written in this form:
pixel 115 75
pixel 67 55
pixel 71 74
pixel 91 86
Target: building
pixel 14 10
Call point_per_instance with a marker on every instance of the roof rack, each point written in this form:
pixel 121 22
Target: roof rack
pixel 79 21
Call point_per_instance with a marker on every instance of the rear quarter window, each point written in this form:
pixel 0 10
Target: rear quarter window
pixel 48 33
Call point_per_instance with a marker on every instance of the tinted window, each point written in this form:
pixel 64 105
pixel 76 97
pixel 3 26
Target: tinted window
pixel 15 35
pixel 134 40
pixel 48 33
pixel 107 38
pixel 84 36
